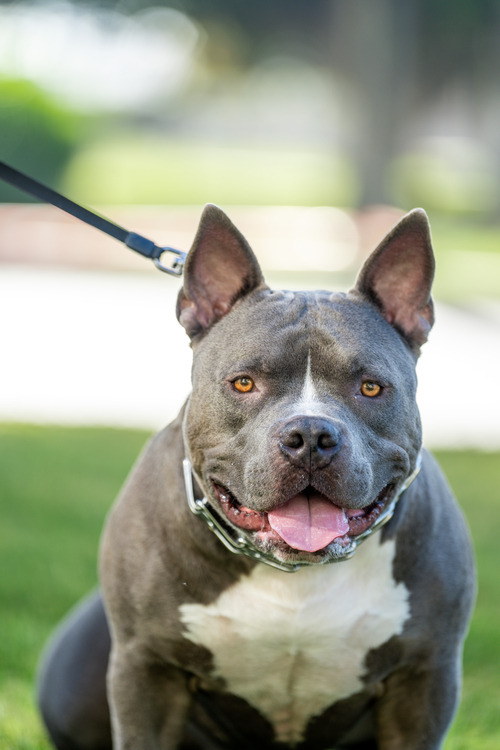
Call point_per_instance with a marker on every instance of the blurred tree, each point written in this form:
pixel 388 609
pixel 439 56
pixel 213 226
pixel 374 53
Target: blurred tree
pixel 397 57
pixel 37 135
pixel 457 39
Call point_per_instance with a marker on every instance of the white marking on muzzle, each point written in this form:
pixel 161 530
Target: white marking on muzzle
pixel 310 403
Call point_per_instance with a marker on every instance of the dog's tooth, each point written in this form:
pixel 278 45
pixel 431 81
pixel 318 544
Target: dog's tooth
pixel 355 513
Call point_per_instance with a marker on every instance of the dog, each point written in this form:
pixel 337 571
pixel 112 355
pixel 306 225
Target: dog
pixel 286 567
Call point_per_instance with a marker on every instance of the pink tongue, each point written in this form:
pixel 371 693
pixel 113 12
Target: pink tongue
pixel 309 524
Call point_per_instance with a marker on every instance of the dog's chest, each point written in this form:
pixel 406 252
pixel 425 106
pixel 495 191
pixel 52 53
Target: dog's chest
pixel 293 644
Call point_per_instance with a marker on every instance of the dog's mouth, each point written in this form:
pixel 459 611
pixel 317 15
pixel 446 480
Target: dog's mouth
pixel 307 522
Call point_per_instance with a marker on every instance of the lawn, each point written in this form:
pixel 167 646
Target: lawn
pixel 56 485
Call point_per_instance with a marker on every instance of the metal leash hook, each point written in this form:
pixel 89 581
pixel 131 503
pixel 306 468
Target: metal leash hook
pixel 151 250
pixel 177 262
pixel 132 240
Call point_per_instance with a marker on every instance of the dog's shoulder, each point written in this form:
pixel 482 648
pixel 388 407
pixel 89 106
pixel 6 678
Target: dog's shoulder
pixel 434 554
pixel 147 507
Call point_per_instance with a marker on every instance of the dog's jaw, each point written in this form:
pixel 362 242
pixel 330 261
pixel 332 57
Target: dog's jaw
pixel 331 535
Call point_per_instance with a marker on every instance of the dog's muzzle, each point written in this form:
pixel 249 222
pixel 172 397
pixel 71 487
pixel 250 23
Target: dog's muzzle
pixel 240 543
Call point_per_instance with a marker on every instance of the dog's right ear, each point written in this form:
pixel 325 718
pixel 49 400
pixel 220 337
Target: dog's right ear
pixel 220 268
pixel 397 278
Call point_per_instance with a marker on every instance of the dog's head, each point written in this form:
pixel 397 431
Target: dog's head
pixel 302 423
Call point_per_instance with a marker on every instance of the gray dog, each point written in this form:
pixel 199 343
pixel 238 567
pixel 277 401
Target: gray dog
pixel 253 598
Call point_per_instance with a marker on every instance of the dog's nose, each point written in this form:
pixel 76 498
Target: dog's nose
pixel 310 442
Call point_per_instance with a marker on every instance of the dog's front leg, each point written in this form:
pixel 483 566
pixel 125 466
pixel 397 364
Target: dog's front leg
pixel 417 708
pixel 149 703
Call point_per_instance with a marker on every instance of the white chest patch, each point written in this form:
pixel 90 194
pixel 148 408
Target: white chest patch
pixel 291 644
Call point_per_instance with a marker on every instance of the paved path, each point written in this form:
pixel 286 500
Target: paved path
pixel 103 348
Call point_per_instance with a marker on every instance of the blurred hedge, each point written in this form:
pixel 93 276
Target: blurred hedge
pixel 37 134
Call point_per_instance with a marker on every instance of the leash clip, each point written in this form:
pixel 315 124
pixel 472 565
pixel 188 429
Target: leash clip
pixel 176 263
pixel 132 240
pixel 151 250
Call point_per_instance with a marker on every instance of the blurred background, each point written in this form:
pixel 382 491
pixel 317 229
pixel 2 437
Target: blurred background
pixel 330 102
pixel 315 125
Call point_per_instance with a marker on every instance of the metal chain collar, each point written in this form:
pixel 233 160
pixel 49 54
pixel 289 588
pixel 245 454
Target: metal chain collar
pixel 240 543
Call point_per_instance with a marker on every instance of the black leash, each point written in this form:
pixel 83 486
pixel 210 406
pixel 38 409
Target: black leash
pixel 137 242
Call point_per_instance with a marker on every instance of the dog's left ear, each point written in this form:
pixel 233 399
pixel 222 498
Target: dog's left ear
pixel 397 278
pixel 220 268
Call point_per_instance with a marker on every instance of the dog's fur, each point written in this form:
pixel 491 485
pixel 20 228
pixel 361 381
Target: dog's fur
pixel 305 398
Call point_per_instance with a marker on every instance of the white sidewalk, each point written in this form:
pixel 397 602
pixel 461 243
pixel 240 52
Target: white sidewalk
pixel 106 349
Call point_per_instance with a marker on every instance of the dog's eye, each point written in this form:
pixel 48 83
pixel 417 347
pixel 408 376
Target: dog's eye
pixel 243 384
pixel 370 389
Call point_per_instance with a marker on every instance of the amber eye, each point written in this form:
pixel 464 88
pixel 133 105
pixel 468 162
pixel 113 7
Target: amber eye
pixel 370 389
pixel 244 384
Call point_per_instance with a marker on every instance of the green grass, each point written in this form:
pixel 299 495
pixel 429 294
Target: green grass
pixel 56 485
pixel 474 476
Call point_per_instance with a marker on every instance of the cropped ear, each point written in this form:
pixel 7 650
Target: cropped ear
pixel 397 278
pixel 220 268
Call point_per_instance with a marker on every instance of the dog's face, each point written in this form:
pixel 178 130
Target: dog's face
pixel 302 423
